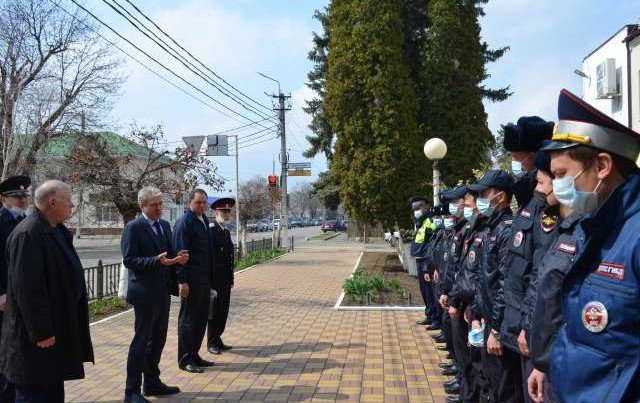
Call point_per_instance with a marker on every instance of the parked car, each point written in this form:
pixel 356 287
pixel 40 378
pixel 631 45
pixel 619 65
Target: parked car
pixel 267 225
pixel 317 222
pixel 295 223
pixel 331 225
pixel 276 224
pixel 252 226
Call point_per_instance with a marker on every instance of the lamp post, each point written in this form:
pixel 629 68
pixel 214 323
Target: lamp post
pixel 435 149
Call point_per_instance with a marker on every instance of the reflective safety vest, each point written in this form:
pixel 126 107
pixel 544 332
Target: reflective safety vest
pixel 427 224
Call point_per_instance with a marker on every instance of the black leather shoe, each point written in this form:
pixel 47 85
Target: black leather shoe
pixel 135 397
pixel 204 363
pixel 453 399
pixel 161 390
pixel 444 365
pixel 433 336
pixel 449 356
pixel 214 350
pixel 193 368
pixel 433 326
pixel 453 390
pixel 450 371
pixel 441 339
pixel 224 347
pixel 442 348
pixel 424 321
pixel 450 383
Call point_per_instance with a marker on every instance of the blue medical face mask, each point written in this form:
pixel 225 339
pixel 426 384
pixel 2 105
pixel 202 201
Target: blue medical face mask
pixel 484 205
pixel 454 210
pixel 516 169
pixel 448 223
pixel 580 201
pixel 417 214
pixel 468 213
pixel 438 222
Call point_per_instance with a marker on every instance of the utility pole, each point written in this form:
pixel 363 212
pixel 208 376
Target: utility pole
pixel 281 109
pixel 83 128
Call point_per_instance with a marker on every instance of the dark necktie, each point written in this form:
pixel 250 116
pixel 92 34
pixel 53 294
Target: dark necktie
pixel 20 217
pixel 161 239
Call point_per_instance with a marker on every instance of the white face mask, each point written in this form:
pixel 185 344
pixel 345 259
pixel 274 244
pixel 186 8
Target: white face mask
pixel 18 211
pixel 580 201
pixel 417 214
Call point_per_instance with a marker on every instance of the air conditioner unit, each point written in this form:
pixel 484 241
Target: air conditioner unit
pixel 607 83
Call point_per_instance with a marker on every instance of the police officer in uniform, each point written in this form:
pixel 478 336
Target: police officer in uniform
pixel 223 278
pixel 500 368
pixel 546 318
pixel 596 355
pixel 434 261
pixel 424 228
pixel 15 202
pixel 522 141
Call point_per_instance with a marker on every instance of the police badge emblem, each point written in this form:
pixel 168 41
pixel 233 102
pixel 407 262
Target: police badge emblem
pixel 595 317
pixel 472 256
pixel 548 223
pixel 518 238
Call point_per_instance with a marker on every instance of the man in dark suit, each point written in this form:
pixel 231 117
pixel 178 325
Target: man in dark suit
pixel 15 202
pixel 223 274
pixel 191 232
pixel 45 339
pixel 148 253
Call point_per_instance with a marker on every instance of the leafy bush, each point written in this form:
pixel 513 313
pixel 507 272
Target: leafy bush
pixel 395 285
pixel 357 287
pixel 258 256
pixel 105 305
pixel 377 283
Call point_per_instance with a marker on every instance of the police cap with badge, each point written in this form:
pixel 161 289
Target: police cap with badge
pixel 223 203
pixel 16 186
pixel 493 178
pixel 580 124
pixel 418 201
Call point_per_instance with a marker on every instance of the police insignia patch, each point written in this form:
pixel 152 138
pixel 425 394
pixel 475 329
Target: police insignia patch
pixel 518 238
pixel 453 248
pixel 595 317
pixel 548 223
pixel 611 270
pixel 567 248
pixel 525 213
pixel 472 256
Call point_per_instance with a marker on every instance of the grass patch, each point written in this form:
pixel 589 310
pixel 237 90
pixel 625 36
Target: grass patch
pixel 323 237
pixel 106 307
pixel 256 257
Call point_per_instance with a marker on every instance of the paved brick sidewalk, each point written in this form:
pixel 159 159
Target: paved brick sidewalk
pixel 289 344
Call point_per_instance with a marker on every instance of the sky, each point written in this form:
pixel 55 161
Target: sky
pixel 238 38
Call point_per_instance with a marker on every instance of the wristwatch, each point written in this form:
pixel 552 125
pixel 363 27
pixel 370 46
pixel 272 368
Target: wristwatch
pixel 495 334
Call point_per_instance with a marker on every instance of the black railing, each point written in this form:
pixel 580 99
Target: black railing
pixel 102 280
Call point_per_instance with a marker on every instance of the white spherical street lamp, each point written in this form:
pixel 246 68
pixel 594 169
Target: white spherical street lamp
pixel 435 149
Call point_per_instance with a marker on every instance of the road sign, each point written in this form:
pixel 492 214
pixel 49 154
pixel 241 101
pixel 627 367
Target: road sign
pixel 299 172
pixel 297 166
pixel 217 146
pixel 194 142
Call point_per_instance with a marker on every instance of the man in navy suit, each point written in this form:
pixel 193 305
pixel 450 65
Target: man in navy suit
pixel 191 232
pixel 148 253
pixel 15 201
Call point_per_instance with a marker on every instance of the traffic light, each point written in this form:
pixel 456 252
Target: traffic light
pixel 273 181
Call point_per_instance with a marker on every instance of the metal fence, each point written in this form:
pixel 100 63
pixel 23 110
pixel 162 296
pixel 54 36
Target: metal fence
pixel 103 280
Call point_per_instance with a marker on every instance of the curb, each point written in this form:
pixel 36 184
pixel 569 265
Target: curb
pixel 258 264
pixel 325 239
pixel 337 306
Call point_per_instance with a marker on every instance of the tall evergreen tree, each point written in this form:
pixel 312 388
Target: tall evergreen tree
pixel 453 72
pixel 370 103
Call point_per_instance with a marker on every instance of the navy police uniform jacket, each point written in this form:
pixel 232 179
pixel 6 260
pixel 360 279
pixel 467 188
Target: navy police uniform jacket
pixel 453 248
pixel 224 252
pixel 547 314
pixel 193 235
pixel 466 280
pixel 601 334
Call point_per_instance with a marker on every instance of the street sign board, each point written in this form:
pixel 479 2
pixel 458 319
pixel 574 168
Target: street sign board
pixel 217 146
pixel 297 166
pixel 194 142
pixel 299 172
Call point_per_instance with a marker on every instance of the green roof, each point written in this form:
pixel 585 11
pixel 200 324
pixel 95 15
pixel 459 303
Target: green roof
pixel 62 145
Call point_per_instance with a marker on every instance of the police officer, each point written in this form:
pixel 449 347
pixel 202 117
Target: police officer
pixel 15 202
pixel 547 314
pixel 424 228
pixel 522 141
pixel 223 278
pixel 500 369
pixel 460 298
pixel 596 356
pixel 434 261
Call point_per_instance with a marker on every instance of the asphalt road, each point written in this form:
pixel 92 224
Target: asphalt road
pixel 108 249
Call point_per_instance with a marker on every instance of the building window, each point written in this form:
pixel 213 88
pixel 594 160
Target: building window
pixel 107 214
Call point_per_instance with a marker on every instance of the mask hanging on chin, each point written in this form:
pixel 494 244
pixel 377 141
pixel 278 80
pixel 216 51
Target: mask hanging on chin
pixel 540 199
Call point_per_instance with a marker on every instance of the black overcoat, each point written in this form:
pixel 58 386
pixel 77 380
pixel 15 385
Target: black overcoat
pixel 46 296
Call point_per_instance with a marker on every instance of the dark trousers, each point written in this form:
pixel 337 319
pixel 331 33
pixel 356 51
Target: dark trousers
pixel 447 332
pixel 145 351
pixel 40 394
pixel 462 352
pixel 218 314
pixel 7 391
pixel 502 374
pixel 192 322
pixel 427 293
pixel 526 367
pixel 436 310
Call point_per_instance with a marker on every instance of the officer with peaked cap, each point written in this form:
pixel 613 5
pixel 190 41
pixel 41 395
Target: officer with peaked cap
pixel 223 278
pixel 522 141
pixel 596 356
pixel 434 261
pixel 16 198
pixel 424 228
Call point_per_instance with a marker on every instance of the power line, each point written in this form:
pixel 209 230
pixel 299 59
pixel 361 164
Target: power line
pixel 159 63
pixel 228 132
pixel 181 59
pixel 163 78
pixel 193 57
